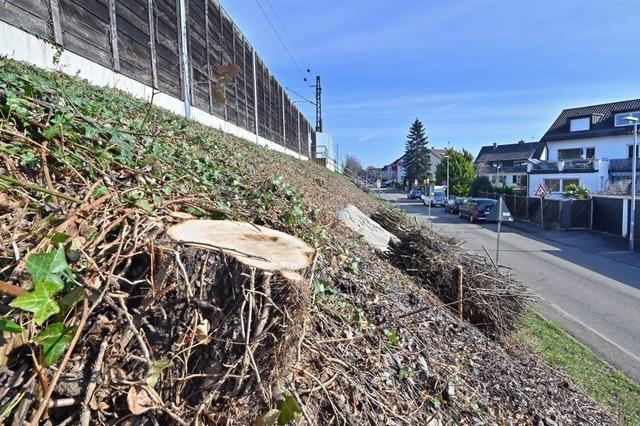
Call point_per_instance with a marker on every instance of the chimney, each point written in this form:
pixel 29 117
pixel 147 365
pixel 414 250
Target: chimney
pixel 521 141
pixel 495 145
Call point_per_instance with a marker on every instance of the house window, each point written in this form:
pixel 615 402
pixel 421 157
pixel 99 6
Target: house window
pixel 567 182
pixel 570 154
pixel 493 179
pixel 515 179
pixel 580 124
pixel 620 121
pixel 552 185
pixel 590 152
pixel 630 151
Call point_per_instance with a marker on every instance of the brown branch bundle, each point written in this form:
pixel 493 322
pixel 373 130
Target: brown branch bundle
pixel 493 300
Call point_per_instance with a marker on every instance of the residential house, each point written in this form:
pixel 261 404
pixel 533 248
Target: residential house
pixel 437 155
pixel 507 164
pixel 589 146
pixel 396 170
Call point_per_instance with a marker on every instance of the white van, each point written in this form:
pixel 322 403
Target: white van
pixel 437 198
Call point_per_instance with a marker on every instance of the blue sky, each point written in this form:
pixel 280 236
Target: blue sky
pixel 475 72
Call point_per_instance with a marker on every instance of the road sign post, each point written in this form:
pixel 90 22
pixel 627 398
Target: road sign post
pixel 499 223
pixel 541 192
pixel 500 212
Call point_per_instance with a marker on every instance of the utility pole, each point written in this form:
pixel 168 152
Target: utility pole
pixel 634 171
pixel 318 105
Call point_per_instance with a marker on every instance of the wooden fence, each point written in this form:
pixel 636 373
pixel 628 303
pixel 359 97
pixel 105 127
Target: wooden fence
pixel 557 214
pixel 143 40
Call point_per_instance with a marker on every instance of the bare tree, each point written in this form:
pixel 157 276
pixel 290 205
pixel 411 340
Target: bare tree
pixel 352 165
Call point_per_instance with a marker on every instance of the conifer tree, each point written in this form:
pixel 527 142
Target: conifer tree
pixel 417 158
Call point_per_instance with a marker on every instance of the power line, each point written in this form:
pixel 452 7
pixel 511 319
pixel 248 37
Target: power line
pixel 281 41
pixel 286 33
pixel 298 94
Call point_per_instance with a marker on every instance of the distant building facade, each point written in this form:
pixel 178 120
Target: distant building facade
pixel 507 164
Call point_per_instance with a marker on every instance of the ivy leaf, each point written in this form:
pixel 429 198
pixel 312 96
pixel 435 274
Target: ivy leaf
pixel 289 410
pixel 51 132
pixel 156 370
pixel 100 191
pixel 144 205
pixel 10 326
pixel 54 340
pixel 47 267
pixel 58 238
pixel 39 301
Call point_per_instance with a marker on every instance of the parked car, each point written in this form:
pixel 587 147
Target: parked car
pixel 414 194
pixel 476 209
pixel 438 198
pixel 453 206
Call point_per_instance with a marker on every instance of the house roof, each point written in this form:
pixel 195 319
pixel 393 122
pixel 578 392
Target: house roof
pixel 602 121
pixel 509 152
pixel 438 153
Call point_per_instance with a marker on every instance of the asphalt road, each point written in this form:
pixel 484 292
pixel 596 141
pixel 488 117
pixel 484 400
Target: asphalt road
pixel 594 297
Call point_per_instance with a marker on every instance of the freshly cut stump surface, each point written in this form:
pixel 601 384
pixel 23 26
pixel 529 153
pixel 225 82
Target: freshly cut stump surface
pixel 252 245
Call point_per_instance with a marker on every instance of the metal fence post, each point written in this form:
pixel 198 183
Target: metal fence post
pixel 185 59
pixel 255 95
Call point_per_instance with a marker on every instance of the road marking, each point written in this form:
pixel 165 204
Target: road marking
pixel 596 332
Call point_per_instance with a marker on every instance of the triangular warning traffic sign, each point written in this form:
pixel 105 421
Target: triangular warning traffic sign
pixel 500 213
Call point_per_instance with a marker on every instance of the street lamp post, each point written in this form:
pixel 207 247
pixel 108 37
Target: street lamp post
pixel 448 183
pixel 632 220
pixel 448 157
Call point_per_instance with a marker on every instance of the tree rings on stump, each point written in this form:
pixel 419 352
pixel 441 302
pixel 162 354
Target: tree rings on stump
pixel 252 245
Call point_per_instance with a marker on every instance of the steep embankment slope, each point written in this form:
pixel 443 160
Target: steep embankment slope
pixel 94 178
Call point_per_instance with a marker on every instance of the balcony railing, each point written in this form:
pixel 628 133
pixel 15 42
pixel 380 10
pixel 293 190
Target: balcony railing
pixel 621 165
pixel 547 166
pixel 588 164
pixel 578 165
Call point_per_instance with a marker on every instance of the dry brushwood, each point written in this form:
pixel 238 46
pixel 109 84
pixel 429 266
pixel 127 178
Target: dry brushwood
pixel 492 299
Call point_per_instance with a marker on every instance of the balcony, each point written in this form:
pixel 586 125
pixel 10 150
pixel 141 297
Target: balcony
pixel 568 166
pixel 588 164
pixel 621 165
pixel 544 167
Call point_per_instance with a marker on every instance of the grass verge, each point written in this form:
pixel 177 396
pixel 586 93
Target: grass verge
pixel 594 376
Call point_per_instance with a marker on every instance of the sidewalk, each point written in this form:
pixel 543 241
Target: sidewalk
pixel 610 246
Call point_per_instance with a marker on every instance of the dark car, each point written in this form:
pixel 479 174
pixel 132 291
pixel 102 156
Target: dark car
pixel 453 206
pixel 476 209
pixel 414 194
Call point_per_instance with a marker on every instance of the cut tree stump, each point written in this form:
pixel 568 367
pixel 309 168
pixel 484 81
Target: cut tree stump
pixel 252 245
pixel 230 298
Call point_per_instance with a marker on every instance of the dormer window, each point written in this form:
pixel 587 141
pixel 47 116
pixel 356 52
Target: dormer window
pixel 620 118
pixel 580 124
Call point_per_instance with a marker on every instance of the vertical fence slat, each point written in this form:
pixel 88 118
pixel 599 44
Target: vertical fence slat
pixel 152 43
pixel 113 35
pixel 54 5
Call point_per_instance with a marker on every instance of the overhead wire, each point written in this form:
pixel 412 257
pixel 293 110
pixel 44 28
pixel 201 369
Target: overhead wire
pixel 286 33
pixel 280 38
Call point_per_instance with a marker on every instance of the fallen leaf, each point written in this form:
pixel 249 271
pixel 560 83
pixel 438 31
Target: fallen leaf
pixel 202 331
pixel 142 398
pixel 269 419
